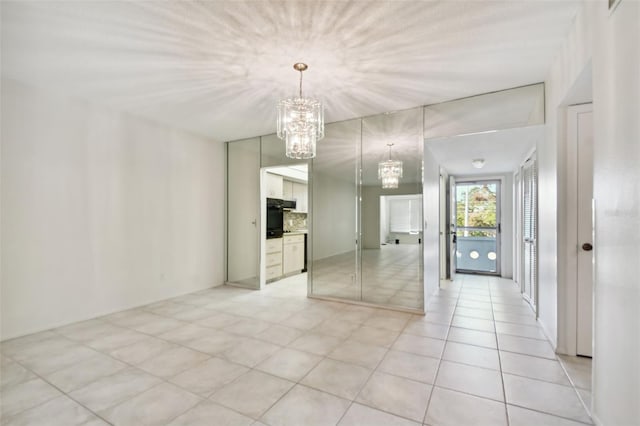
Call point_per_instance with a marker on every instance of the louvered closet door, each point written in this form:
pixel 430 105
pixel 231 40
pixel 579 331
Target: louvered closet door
pixel 529 231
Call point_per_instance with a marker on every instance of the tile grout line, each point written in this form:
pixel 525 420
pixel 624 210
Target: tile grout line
pixel 107 354
pixel 575 388
pixel 63 393
pixel 299 381
pixel 373 371
pixel 550 414
pixel 444 347
pixel 504 388
pixel 280 323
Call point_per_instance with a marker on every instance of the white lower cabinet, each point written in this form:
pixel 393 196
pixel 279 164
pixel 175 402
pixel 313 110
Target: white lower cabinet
pixel 273 272
pixel 273 261
pixel 293 253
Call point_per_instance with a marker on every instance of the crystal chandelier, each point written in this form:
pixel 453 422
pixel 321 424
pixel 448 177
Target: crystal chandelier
pixel 390 171
pixel 300 122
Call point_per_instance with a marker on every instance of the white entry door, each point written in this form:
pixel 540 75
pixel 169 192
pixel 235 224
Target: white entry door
pixel 583 117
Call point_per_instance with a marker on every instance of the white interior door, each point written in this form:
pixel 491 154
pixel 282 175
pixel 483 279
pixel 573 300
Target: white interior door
pixel 584 116
pixel 529 175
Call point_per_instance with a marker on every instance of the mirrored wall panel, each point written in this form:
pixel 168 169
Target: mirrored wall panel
pixel 391 209
pixel 358 212
pixel 367 211
pixel 334 182
pixel 273 152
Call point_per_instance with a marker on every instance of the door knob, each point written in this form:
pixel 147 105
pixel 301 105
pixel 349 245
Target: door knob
pixel 587 247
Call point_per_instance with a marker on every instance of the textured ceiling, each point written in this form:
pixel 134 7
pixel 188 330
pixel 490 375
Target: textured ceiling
pixel 218 68
pixel 502 150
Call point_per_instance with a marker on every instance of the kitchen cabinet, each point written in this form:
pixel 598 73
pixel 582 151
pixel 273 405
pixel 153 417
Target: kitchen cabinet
pixel 274 186
pixel 293 253
pixel 287 190
pixel 300 195
pixel 273 258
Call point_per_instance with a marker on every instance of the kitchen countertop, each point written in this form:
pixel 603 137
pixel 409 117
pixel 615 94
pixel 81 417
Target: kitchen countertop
pixel 298 232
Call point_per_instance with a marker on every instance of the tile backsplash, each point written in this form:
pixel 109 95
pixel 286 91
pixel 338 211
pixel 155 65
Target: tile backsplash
pixel 294 221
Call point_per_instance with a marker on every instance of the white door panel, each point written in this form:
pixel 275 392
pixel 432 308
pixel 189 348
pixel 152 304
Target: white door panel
pixel 585 232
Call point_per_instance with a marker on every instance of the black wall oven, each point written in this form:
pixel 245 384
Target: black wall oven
pixel 274 218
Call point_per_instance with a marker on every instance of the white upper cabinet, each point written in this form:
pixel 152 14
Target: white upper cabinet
pixel 287 190
pixel 274 186
pixel 300 195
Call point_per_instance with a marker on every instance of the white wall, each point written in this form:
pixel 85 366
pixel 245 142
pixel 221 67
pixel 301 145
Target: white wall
pixel 101 211
pixel 573 57
pixel 608 42
pixel 616 97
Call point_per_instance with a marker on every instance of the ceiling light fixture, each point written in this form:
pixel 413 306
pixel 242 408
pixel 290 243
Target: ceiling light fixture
pixel 300 122
pixel 478 163
pixel 390 171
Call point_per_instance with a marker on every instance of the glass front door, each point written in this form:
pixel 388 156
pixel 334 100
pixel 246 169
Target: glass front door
pixel 478 227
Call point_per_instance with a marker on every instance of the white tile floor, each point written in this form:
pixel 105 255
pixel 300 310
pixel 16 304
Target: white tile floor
pixel 229 356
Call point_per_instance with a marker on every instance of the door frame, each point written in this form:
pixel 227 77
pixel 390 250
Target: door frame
pixel 571 232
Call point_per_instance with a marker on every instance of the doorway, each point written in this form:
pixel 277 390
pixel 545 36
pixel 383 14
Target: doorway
pixel 283 235
pixel 477 227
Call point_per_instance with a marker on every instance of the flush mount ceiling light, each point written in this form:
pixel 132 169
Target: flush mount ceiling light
pixel 300 122
pixel 478 163
pixel 390 171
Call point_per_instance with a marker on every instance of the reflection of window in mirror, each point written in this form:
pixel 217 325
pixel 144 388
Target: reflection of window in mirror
pixel 401 218
pixel 405 215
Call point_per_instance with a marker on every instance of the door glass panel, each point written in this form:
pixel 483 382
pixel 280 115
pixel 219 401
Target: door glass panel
pixel 477 218
pixel 391 218
pixel 243 212
pixel 334 206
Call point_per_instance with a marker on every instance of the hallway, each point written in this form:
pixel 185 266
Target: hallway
pixel 237 357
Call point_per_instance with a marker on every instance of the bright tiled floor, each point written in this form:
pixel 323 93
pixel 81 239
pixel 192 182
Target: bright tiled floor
pixel 229 356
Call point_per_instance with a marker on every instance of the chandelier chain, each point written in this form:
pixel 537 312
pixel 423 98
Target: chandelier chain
pixel 300 83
